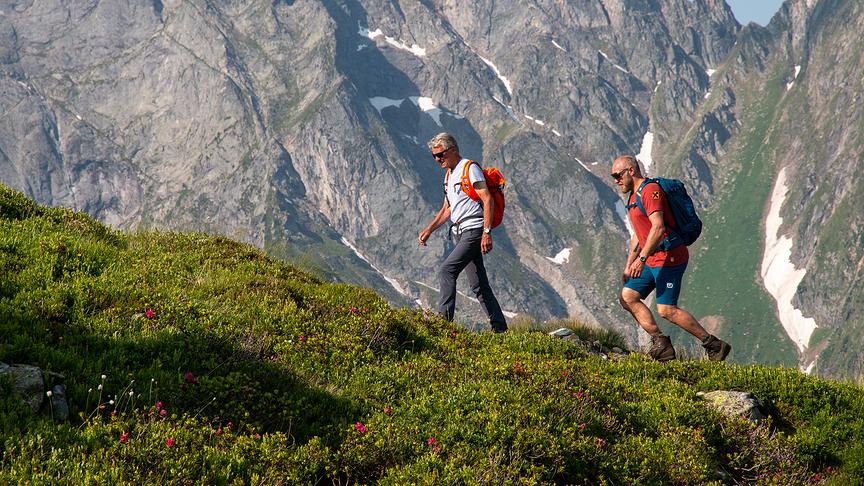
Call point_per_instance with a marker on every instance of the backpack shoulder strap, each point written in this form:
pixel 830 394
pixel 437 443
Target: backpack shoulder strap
pixel 637 200
pixel 467 187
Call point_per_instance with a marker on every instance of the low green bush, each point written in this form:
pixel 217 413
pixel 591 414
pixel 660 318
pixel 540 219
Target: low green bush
pixel 195 359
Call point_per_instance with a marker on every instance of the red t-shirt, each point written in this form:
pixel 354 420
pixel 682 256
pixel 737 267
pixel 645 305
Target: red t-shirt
pixel 653 199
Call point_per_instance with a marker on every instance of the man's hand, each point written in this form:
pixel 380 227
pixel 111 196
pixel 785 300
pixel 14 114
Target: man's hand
pixel 635 268
pixel 424 235
pixel 486 243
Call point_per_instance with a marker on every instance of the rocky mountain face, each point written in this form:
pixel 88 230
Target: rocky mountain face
pixel 300 127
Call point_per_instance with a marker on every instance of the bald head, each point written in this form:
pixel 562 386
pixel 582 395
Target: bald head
pixel 626 162
pixel 626 172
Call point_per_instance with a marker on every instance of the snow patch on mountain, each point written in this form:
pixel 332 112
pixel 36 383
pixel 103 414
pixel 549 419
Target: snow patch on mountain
pixel 779 274
pixel 582 164
pixel 376 34
pixel 615 65
pixel 380 102
pixel 621 211
pixel 644 154
pixel 389 280
pixel 562 257
pixel 794 77
pixel 424 103
pixel 503 79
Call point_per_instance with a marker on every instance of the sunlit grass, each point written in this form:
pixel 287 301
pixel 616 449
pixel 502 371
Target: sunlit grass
pixel 191 358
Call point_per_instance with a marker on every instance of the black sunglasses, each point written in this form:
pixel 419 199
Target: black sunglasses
pixel 440 155
pixel 618 175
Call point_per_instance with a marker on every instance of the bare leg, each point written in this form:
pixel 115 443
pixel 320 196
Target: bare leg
pixel 682 319
pixel 632 302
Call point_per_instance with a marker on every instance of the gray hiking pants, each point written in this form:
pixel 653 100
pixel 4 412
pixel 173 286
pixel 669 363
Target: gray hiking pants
pixel 467 256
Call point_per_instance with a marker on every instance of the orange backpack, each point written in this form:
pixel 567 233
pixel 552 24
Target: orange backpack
pixel 494 182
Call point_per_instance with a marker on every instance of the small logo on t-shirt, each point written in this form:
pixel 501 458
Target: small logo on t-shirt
pixel 655 195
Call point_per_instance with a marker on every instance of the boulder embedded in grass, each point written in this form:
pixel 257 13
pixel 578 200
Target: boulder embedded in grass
pixel 27 383
pixel 734 404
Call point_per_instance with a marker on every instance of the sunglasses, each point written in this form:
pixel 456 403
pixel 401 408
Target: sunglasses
pixel 618 175
pixel 440 155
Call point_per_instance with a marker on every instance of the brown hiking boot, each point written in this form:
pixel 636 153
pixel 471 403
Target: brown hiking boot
pixel 661 348
pixel 716 349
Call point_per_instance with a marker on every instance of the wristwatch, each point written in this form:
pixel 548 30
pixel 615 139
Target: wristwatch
pixel 642 258
pixel 487 230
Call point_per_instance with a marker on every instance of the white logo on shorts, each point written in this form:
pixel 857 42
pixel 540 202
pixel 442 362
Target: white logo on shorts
pixel 670 285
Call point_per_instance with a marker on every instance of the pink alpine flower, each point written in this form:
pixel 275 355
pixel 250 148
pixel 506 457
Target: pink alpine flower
pixel 124 437
pixel 149 314
pixel 388 410
pixel 158 405
pixel 163 412
pixel 359 427
pixel 302 338
pixel 436 449
pixel 190 378
pixel 431 441
pixel 169 442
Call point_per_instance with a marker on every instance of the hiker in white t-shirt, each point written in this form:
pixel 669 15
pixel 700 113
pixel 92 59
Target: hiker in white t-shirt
pixel 471 227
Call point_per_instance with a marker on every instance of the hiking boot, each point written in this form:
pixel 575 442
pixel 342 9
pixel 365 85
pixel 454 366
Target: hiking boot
pixel 661 348
pixel 716 349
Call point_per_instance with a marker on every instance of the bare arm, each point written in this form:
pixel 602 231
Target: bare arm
pixel 488 212
pixel 655 235
pixel 439 219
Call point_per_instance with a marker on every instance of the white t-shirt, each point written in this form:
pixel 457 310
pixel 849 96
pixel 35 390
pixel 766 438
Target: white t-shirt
pixel 462 207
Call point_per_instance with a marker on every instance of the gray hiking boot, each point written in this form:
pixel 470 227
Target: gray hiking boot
pixel 661 348
pixel 716 349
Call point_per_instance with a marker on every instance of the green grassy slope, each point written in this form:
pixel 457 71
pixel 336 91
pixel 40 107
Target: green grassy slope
pixel 191 358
